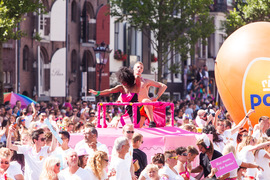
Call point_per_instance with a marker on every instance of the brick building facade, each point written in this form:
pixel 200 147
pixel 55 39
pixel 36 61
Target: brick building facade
pixel 87 24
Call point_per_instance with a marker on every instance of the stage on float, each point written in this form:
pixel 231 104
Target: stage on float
pixel 156 140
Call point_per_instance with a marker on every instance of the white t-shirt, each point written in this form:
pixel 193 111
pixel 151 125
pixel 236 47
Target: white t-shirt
pixel 13 170
pixel 257 134
pixel 264 163
pixel 80 174
pixel 228 137
pixel 167 171
pixel 40 124
pixel 90 151
pixel 28 120
pixel 122 168
pixel 233 173
pixel 61 154
pixel 128 156
pixel 93 177
pixel 33 161
pixel 200 123
pixel 247 156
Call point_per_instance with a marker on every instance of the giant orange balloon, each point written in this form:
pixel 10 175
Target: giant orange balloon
pixel 242 71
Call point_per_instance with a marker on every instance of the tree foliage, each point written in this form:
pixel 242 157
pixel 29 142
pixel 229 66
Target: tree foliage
pixel 11 14
pixel 176 25
pixel 245 12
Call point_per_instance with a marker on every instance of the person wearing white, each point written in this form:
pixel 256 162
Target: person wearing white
pixel 90 143
pixel 28 116
pixel 128 131
pixel 73 171
pixel 201 118
pixel 119 164
pixel 97 166
pixel 262 158
pixel 168 170
pixel 34 155
pixel 263 126
pixel 62 150
pixel 229 148
pixel 228 134
pixel 10 170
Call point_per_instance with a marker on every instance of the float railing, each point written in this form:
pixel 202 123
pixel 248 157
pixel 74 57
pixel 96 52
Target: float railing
pixel 134 109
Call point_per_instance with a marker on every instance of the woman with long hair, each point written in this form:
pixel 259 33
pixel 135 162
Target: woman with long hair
pixel 218 142
pixel 129 89
pixel 51 168
pixel 97 165
pixel 208 153
pixel 246 148
pixel 229 148
pixel 262 157
pixel 8 169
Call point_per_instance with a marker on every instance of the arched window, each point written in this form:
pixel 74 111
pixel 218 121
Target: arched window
pixel 25 58
pixel 73 11
pixel 74 61
pixel 4 77
pixel 8 77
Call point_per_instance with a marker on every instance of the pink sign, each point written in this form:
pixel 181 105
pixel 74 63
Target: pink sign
pixel 224 164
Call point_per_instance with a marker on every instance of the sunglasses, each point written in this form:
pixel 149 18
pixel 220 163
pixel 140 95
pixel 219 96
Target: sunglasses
pixel 106 160
pixel 174 157
pixel 130 132
pixel 4 162
pixel 57 164
pixel 23 120
pixel 184 154
pixel 42 139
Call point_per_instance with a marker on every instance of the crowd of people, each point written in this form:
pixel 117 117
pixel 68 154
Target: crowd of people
pixel 28 144
pixel 35 140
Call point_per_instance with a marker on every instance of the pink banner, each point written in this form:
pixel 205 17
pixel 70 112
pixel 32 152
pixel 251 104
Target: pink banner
pixel 224 164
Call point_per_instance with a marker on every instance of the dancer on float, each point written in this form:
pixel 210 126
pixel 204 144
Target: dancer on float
pixel 129 89
pixel 147 111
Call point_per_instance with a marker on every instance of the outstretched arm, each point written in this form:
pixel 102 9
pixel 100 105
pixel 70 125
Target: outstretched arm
pixel 116 89
pixel 243 122
pixel 259 146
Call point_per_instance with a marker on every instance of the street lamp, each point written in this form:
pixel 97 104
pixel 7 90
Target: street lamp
pixel 102 53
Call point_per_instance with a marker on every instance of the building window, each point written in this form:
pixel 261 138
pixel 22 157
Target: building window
pixel 25 58
pixel 4 77
pixel 73 11
pixel 8 77
pixel 74 61
pixel 116 35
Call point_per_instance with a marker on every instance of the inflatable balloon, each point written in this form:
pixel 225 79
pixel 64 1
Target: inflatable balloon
pixel 242 71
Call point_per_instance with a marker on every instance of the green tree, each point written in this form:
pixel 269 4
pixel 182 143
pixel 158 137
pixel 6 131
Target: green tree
pixel 245 12
pixel 11 14
pixel 175 25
